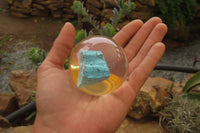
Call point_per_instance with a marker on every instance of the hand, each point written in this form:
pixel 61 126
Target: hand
pixel 63 108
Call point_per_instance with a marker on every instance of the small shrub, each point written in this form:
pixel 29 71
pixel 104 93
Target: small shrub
pixel 175 12
pixel 123 8
pixel 37 55
pixel 80 35
pixel 182 115
pixel 108 30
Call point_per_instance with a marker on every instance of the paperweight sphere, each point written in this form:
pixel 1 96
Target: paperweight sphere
pixel 98 65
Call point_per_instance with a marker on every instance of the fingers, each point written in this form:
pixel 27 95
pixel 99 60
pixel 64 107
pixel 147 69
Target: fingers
pixel 62 45
pixel 129 89
pixel 155 36
pixel 144 69
pixel 140 37
pixel 127 32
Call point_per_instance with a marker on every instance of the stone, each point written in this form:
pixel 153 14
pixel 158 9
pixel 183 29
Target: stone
pixel 68 17
pixel 102 10
pixel 122 24
pixel 19 15
pixel 67 10
pixel 140 15
pixel 21 10
pixel 55 6
pixel 93 68
pixel 154 94
pixel 142 8
pixel 22 83
pixel 68 4
pixel 95 3
pixel 22 4
pixel 37 12
pixel 8 103
pixel 10 2
pixel 93 10
pixel 52 7
pixel 38 6
pixel 26 3
pixel 4 123
pixel 108 3
pixel 139 126
pixel 148 2
pixel 49 2
pixel 56 13
pixel 178 88
pixel 107 14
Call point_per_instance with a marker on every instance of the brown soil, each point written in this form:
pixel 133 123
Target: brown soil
pixel 42 31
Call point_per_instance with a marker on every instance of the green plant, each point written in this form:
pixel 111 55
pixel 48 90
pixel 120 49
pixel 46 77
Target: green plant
pixel 108 30
pixel 123 8
pixel 83 15
pixel 181 115
pixel 57 33
pixel 80 35
pixel 32 114
pixel 66 63
pixel 175 12
pixel 192 82
pixel 37 55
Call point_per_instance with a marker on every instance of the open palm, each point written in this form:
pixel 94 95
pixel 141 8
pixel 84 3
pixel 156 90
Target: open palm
pixel 61 107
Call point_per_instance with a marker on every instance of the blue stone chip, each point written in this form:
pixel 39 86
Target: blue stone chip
pixel 93 68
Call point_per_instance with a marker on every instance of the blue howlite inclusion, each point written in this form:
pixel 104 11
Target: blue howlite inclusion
pixel 93 68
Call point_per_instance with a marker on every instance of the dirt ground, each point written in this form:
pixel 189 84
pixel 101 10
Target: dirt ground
pixel 17 37
pixel 41 31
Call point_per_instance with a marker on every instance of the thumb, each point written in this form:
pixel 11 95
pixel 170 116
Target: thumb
pixel 62 46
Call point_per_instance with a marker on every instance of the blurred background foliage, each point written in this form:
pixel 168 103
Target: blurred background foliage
pixel 176 12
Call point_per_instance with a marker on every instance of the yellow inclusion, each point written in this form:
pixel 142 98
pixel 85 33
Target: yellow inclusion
pixel 101 88
pixel 104 87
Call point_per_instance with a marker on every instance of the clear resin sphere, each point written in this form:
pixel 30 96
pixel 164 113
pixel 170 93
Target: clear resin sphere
pixel 98 65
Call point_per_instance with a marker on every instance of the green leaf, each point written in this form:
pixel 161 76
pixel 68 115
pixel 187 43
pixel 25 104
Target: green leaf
pixel 123 8
pixel 76 7
pixel 194 95
pixel 108 30
pixel 192 82
pixel 80 35
pixel 33 114
pixel 66 63
pixel 37 55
